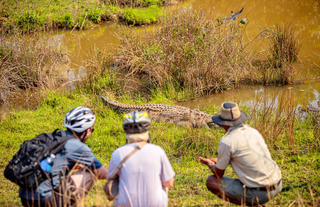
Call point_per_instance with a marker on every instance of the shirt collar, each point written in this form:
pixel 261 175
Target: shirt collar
pixel 234 127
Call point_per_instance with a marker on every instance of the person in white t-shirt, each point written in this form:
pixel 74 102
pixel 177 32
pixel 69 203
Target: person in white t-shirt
pixel 245 149
pixel 146 176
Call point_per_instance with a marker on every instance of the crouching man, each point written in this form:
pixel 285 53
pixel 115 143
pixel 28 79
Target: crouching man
pixel 245 149
pixel 62 189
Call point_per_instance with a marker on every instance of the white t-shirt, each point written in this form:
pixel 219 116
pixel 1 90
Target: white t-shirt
pixel 245 149
pixel 141 176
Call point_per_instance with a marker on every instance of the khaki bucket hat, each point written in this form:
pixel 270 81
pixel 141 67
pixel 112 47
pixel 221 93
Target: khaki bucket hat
pixel 230 115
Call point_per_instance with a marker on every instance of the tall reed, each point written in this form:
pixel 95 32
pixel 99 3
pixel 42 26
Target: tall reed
pixel 276 119
pixel 284 49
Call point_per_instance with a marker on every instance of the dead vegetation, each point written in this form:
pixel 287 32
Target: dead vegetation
pixel 27 63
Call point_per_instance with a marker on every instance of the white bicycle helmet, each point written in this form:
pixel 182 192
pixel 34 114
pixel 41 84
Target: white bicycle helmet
pixel 79 119
pixel 136 122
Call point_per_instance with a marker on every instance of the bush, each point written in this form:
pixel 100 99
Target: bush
pixel 283 49
pixel 284 45
pixel 65 21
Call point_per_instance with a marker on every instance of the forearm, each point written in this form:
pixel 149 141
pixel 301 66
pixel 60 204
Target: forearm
pixel 168 184
pixel 101 173
pixel 211 163
pixel 217 172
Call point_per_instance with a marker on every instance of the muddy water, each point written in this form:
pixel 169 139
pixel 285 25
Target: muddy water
pixel 82 44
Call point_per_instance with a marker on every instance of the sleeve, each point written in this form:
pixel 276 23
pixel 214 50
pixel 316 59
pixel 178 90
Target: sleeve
pixel 83 155
pixel 224 156
pixel 167 172
pixel 96 164
pixel 114 162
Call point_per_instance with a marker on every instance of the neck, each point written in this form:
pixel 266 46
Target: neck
pixel 142 137
pixel 81 138
pixel 226 128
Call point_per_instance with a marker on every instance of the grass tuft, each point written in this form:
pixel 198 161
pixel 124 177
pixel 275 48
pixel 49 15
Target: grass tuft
pixel 27 64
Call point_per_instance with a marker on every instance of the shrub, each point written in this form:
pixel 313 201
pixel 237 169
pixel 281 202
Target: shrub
pixel 284 49
pixel 284 45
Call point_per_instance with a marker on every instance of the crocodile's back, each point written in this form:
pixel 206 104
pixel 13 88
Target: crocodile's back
pixel 165 113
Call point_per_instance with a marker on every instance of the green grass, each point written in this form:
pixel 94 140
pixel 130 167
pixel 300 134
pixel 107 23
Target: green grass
pixel 25 16
pixel 299 165
pixel 141 16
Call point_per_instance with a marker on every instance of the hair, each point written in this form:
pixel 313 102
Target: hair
pixel 79 134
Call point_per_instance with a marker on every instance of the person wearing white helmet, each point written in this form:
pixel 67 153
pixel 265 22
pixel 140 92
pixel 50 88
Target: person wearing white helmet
pixel 146 176
pixel 63 189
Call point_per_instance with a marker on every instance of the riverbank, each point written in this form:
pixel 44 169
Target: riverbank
pixel 291 140
pixel 45 15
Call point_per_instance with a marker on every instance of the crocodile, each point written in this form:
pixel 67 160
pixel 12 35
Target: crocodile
pixel 180 115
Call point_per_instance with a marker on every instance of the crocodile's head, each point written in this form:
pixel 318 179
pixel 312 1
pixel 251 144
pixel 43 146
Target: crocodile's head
pixel 208 122
pixel 211 124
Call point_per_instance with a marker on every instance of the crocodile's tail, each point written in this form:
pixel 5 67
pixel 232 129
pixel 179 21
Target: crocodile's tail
pixel 119 107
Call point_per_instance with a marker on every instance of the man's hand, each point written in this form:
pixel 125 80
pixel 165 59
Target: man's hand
pixel 208 161
pixel 78 166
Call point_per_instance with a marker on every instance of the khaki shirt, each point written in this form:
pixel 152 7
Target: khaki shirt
pixel 245 149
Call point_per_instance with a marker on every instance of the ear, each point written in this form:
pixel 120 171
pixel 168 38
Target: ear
pixel 85 136
pixel 87 133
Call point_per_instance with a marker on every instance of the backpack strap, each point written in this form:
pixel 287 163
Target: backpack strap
pixel 62 142
pixel 115 172
pixel 63 133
